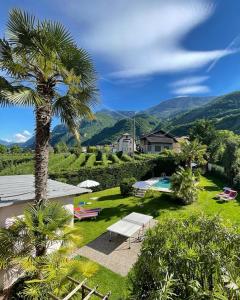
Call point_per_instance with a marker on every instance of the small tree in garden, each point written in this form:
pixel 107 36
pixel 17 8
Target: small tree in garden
pixel 190 258
pixel 192 151
pixel 61 147
pixel 126 186
pixel 25 244
pixel 184 184
pixel 3 149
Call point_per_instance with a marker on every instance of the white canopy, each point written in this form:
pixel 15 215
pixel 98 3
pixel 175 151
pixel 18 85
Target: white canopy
pixel 88 184
pixel 142 185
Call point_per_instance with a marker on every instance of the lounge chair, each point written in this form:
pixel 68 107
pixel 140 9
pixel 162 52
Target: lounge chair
pixel 226 191
pixel 83 210
pixel 85 215
pixel 231 196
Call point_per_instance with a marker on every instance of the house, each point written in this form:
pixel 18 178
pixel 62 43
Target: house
pixel 157 141
pixel 16 192
pixel 126 144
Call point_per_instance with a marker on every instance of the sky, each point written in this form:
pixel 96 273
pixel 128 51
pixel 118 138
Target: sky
pixel 144 51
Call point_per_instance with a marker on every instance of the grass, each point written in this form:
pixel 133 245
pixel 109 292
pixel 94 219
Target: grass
pixel 159 205
pixel 107 281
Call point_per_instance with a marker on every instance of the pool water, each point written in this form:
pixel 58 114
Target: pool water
pixel 162 183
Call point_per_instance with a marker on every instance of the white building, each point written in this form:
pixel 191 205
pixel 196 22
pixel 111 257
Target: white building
pixel 126 144
pixel 16 193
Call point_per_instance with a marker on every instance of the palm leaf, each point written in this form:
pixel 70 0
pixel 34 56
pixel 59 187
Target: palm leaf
pixel 22 96
pixel 20 28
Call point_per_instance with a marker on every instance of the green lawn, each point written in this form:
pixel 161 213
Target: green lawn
pixel 159 205
pixel 107 281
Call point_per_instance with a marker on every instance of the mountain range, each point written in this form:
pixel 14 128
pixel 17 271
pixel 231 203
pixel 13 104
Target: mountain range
pixel 175 115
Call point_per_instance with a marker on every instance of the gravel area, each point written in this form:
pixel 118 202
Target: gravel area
pixel 114 255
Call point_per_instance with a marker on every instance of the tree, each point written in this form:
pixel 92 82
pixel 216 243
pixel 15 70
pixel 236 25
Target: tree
pixel 42 59
pixel 126 188
pixel 26 242
pixel 192 151
pixel 184 184
pixel 61 147
pixel 15 149
pixel 3 149
pixel 217 146
pixel 203 130
pixel 195 257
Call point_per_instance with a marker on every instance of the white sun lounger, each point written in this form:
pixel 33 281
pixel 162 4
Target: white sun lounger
pixel 129 225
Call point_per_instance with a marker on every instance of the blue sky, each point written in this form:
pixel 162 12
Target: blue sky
pixel 144 50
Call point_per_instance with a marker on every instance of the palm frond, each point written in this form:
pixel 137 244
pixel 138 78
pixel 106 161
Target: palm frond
pixel 70 110
pixel 20 28
pixel 54 36
pixel 23 96
pixel 13 66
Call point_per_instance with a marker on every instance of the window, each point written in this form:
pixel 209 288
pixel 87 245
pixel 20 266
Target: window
pixel 158 148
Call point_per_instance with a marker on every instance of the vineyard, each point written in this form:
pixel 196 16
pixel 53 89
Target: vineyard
pixel 24 163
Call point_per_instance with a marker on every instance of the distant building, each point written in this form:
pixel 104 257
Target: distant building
pixel 16 193
pixel 126 144
pixel 158 141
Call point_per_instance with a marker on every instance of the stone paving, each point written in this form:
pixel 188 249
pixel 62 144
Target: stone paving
pixel 114 255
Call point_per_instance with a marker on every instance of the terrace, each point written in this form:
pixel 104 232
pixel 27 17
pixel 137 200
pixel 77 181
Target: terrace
pixel 159 205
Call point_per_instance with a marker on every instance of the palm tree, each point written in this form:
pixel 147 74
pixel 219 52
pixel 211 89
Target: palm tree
pixel 49 72
pixel 192 151
pixel 184 185
pixel 25 245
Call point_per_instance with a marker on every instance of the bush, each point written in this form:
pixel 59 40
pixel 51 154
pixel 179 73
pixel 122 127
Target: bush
pixel 111 175
pixel 92 149
pixel 126 157
pixel 126 186
pixel 184 184
pixel 104 159
pixel 91 160
pixel 192 258
pixel 115 159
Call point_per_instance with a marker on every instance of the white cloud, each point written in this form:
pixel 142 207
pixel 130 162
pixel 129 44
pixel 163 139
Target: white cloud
pixel 21 137
pixel 190 85
pixel 143 37
pixel 192 89
pixel 193 80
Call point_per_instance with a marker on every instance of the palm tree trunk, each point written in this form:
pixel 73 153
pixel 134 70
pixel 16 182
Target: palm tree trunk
pixel 43 124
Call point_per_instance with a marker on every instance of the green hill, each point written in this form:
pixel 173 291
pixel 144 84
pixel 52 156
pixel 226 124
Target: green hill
pixel 144 123
pixel 223 110
pixel 171 107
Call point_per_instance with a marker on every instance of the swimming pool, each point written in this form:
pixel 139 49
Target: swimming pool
pixel 162 183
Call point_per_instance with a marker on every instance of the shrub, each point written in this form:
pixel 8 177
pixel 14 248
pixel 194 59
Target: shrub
pixel 91 160
pixel 79 162
pixel 104 159
pixel 126 186
pixel 111 175
pixel 192 258
pixel 92 149
pixel 115 159
pixel 185 185
pixel 126 157
pixel 77 150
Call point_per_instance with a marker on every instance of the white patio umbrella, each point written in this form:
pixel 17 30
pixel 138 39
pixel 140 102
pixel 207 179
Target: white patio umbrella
pixel 141 185
pixel 88 184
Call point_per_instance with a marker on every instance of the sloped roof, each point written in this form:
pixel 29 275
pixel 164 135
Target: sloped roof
pixel 160 134
pixel 162 139
pixel 21 188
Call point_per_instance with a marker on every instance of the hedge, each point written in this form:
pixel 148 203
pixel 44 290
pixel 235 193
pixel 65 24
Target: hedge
pixel 112 175
pixel 91 160
pixel 115 159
